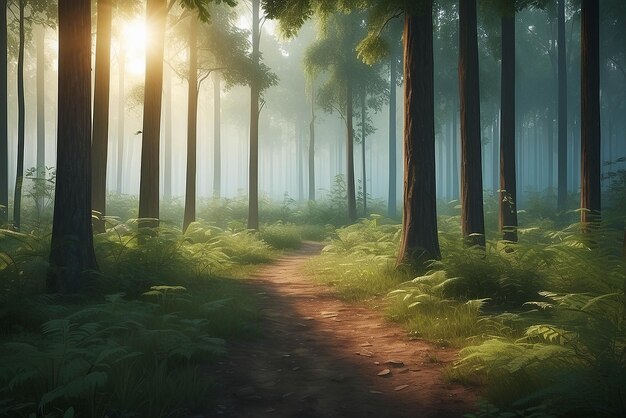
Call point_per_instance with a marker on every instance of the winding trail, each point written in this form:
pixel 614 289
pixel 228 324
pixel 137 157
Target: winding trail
pixel 321 357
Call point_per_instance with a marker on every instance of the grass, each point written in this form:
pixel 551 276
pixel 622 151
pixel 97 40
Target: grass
pixel 537 322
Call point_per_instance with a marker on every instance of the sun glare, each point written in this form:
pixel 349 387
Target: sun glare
pixel 134 41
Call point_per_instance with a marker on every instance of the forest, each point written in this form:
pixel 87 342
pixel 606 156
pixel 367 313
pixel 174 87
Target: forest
pixel 312 208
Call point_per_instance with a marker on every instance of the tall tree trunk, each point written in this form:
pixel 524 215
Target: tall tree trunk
pixel 149 183
pixel 217 136
pixel 472 218
pixel 298 130
pixel 550 122
pixel 392 199
pixel 41 102
pixel 71 254
pixel 192 125
pixel 495 155
pixel 350 153
pixel 21 111
pixel 590 112
pixel 312 145
pixel 508 183
pixel 4 123
pixel 253 182
pixel 455 151
pixel 562 111
pixel 363 135
pixel 419 240
pixel 100 141
pixel 120 120
pixel 167 136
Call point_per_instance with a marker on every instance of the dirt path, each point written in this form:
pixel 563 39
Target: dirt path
pixel 320 357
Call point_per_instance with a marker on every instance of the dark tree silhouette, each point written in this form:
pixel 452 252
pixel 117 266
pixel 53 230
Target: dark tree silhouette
pixel 4 127
pixel 562 110
pixel 71 254
pixel 100 141
pixel 472 218
pixel 590 111
pixel 508 184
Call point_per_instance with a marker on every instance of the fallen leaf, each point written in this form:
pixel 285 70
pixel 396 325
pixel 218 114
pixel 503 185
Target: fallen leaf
pixel 366 345
pixel 385 372
pixel 376 392
pixel 364 353
pixel 401 387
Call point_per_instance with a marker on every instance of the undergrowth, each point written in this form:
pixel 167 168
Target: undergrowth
pixel 541 322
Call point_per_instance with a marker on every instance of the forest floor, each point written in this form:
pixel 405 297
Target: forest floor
pixel 319 356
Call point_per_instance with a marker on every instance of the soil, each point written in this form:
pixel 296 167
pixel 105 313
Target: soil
pixel 319 356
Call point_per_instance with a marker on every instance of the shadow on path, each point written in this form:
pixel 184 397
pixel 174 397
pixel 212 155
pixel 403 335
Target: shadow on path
pixel 321 357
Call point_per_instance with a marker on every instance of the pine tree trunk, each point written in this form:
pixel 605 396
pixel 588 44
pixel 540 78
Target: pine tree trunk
pixel 298 129
pixel 350 153
pixel 472 219
pixel 253 182
pixel 363 135
pixel 455 151
pixel 562 111
pixel 192 126
pixel 100 141
pixel 167 136
pixel 120 121
pixel 72 256
pixel 21 111
pixel 41 103
pixel 590 111
pixel 149 182
pixel 4 123
pixel 217 136
pixel 419 240
pixel 508 183
pixel 392 198
pixel 312 146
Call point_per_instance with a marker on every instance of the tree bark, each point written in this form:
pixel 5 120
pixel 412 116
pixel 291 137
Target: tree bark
pixel 363 135
pixel 41 102
pixel 167 136
pixel 455 151
pixel 72 256
pixel 192 126
pixel 419 240
pixel 4 123
pixel 120 120
pixel 350 152
pixel 217 136
pixel 21 111
pixel 472 218
pixel 312 146
pixel 562 111
pixel 392 198
pixel 149 182
pixel 590 112
pixel 253 181
pixel 508 183
pixel 100 141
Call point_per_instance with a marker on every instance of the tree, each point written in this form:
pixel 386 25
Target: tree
pixel 472 217
pixel 21 120
pixel 312 145
pixel 419 232
pixel 508 183
pixel 334 52
pixel 562 110
pixel 217 136
pixel 192 125
pixel 72 255
pixel 590 112
pixel 255 92
pixel 4 128
pixel 156 12
pixel 419 226
pixel 100 141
